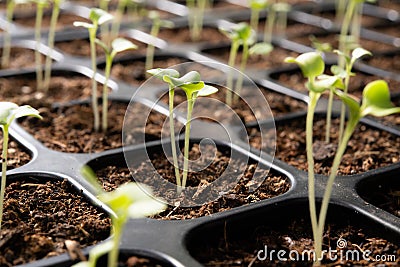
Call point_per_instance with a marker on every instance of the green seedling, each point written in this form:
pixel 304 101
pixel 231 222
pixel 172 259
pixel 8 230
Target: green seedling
pixel 256 7
pixel 8 113
pixel 155 28
pixel 196 17
pixel 277 15
pixel 50 42
pixel 98 17
pixel 312 66
pixel 375 102
pixel 119 13
pixel 40 6
pixel 241 35
pixel 11 4
pixel 117 46
pixel 345 73
pixel 130 200
pixel 193 87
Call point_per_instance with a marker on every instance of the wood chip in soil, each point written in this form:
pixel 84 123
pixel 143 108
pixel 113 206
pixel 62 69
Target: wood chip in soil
pixel 70 129
pixel 40 216
pixel 368 149
pixel 240 194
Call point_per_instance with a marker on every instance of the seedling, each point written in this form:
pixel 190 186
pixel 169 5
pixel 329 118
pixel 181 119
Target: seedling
pixel 196 17
pixel 98 17
pixel 50 42
pixel 256 7
pixel 155 28
pixel 345 73
pixel 193 87
pixel 241 34
pixel 118 45
pixel 281 10
pixel 130 200
pixel 8 113
pixel 40 5
pixel 313 66
pixel 5 60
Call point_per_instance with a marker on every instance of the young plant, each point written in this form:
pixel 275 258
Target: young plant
pixel 8 113
pixel 193 87
pixel 155 28
pixel 117 46
pixel 40 5
pixel 119 13
pixel 345 73
pixel 98 17
pixel 256 7
pixel 5 60
pixel 130 200
pixel 196 17
pixel 312 66
pixel 50 42
pixel 241 34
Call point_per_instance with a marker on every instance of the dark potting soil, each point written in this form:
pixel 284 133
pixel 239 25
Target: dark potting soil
pixel 64 20
pixel 296 81
pixel 21 58
pixel 63 88
pixel 182 35
pixel 279 104
pixel 40 216
pixel 17 154
pixel 368 149
pixel 70 129
pixel 390 62
pixel 239 249
pixel 274 184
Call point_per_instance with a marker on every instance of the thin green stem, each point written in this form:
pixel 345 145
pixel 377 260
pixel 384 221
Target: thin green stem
pixel 254 18
pixel 340 10
pixel 282 23
pixel 231 63
pixel 269 25
pixel 351 125
pixel 172 134
pixel 310 161
pixel 243 63
pixel 199 18
pixel 155 28
pixel 343 39
pixel 329 117
pixel 3 171
pixel 104 28
pixel 191 5
pixel 190 104
pixel 343 106
pixel 50 44
pixel 356 24
pixel 95 105
pixel 5 60
pixel 117 19
pixel 114 253
pixel 109 60
pixel 38 59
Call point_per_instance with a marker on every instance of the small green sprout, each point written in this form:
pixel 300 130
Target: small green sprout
pixel 98 17
pixel 50 42
pixel 196 17
pixel 312 66
pixel 40 5
pixel 193 87
pixel 345 73
pixel 130 200
pixel 280 9
pixel 8 113
pixel 256 7
pixel 155 28
pixel 118 45
pixel 5 60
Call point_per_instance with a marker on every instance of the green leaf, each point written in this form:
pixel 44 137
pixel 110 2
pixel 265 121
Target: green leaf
pixel 258 4
pixel 122 44
pixel 351 103
pixel 207 90
pixel 10 111
pixel 100 16
pixel 310 63
pixel 6 109
pixel 358 53
pixel 190 82
pixel 376 100
pixel 325 82
pixel 160 73
pixel 281 7
pixel 83 24
pixel 146 208
pixel 261 49
pixel 338 71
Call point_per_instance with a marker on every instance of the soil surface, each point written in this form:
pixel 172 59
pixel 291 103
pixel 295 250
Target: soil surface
pixel 17 155
pixel 70 129
pixel 21 58
pixel 182 35
pixel 389 62
pixel 239 249
pixel 236 195
pixel 41 216
pixel 368 149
